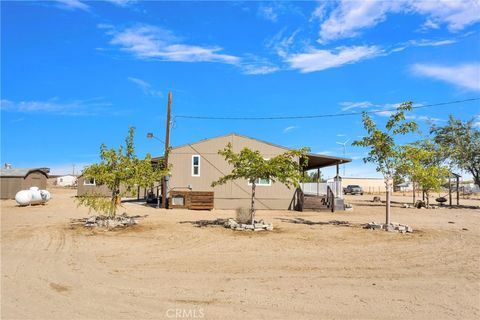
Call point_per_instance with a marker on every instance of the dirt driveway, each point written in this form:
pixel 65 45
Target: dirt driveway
pixel 166 268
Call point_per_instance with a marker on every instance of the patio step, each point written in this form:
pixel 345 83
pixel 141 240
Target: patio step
pixel 314 203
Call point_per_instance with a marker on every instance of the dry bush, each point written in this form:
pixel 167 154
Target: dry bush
pixel 244 215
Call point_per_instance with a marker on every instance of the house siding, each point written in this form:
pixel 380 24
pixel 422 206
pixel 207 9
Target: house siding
pixel 233 194
pixel 85 189
pixel 101 190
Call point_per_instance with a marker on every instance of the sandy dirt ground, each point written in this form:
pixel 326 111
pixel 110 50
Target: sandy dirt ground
pixel 167 268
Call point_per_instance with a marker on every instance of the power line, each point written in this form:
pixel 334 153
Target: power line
pixel 321 115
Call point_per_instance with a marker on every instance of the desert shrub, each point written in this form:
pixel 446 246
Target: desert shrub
pixel 244 215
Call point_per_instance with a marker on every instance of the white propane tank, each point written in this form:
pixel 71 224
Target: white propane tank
pixel 45 195
pixel 36 196
pixel 32 196
pixel 23 197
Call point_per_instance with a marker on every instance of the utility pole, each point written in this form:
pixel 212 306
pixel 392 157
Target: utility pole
pixel 167 147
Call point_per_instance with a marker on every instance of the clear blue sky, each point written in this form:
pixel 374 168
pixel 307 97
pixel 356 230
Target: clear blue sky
pixel 76 73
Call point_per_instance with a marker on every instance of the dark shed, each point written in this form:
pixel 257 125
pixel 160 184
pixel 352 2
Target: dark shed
pixel 14 180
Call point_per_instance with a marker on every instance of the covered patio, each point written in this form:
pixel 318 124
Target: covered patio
pixel 320 195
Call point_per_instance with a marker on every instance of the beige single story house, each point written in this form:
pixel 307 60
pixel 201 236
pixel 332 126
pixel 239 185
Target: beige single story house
pixel 85 186
pixel 196 165
pixel 14 180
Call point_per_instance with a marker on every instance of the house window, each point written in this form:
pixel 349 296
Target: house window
pixel 195 166
pixel 178 201
pixel 262 182
pixel 89 182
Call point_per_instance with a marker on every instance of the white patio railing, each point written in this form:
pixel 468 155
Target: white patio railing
pixel 320 189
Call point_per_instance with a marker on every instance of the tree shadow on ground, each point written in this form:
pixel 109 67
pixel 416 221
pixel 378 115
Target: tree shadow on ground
pixel 206 223
pixel 395 204
pixel 309 222
pixel 459 207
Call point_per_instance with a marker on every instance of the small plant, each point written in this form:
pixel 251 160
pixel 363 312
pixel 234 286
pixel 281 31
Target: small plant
pixel 243 215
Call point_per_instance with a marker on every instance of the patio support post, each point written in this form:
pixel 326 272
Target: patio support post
pixel 337 179
pixel 450 191
pixel 303 180
pixel 458 190
pixel 318 181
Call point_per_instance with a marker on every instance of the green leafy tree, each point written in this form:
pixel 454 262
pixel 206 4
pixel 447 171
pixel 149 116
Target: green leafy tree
pixel 460 143
pixel 398 178
pixel 382 148
pixel 423 168
pixel 312 177
pixel 121 171
pixel 250 165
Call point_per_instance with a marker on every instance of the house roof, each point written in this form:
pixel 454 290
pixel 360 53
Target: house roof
pixel 231 134
pixel 317 161
pixel 20 172
pixel 314 160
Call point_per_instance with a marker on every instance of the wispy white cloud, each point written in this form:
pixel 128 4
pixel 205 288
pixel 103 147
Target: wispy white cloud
pixel 283 43
pixel 466 76
pixel 355 105
pixel 348 18
pixel 121 3
pixel 422 43
pixel 145 87
pixel 456 15
pixel 150 42
pixel 429 119
pixel 476 121
pixel 268 12
pixel 255 65
pixel 253 69
pixel 72 5
pixel 320 11
pixel 317 60
pixel 273 10
pixel 431 43
pixel 54 106
pixel 387 109
pixel 288 129
pixel 290 49
pixel 384 113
